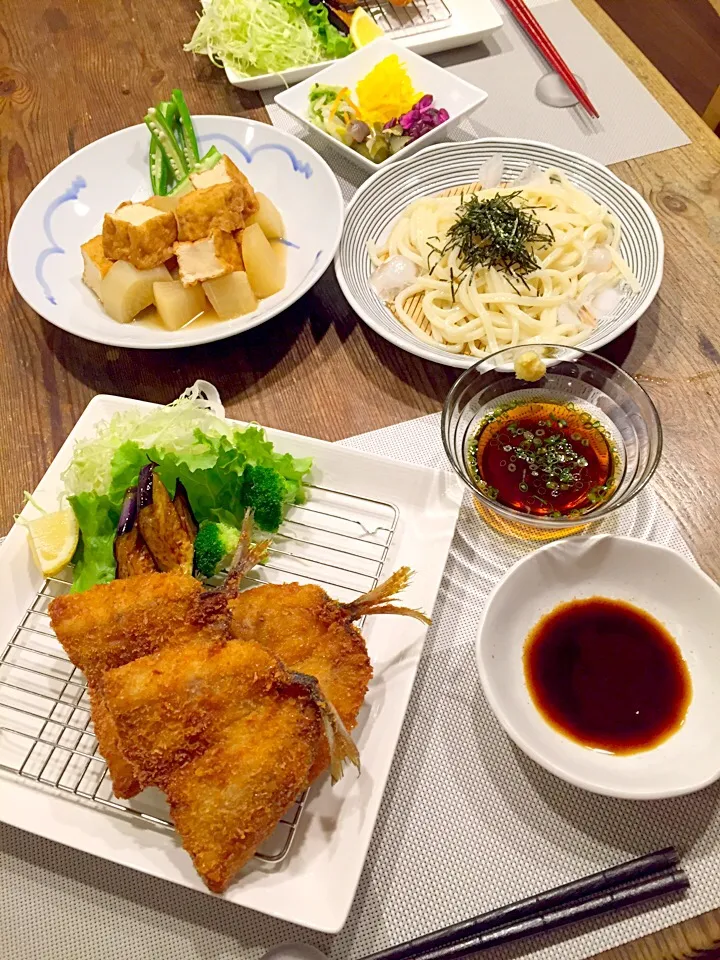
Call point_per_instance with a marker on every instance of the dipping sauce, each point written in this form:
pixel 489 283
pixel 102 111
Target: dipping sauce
pixel 608 675
pixel 544 458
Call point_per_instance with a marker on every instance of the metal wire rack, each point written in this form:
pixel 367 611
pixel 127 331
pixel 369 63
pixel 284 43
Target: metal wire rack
pixel 337 540
pixel 410 19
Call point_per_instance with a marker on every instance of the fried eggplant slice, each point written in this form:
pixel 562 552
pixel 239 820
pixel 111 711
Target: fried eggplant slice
pixel 184 511
pixel 161 528
pixel 132 556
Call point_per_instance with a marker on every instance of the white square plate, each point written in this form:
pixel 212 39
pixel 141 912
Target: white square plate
pixel 315 885
pixel 453 93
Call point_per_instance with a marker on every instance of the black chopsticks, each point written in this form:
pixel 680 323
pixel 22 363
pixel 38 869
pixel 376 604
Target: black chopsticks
pixel 655 875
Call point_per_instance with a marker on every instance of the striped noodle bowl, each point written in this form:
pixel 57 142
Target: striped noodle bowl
pixel 382 199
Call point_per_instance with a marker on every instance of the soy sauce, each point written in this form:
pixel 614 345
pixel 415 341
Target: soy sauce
pixel 607 675
pixel 544 458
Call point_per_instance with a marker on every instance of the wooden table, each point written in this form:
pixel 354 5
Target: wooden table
pixel 74 70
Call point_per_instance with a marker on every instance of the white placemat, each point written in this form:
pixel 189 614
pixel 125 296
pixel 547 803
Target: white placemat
pixel 468 822
pixel 632 123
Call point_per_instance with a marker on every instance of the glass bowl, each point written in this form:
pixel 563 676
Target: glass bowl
pixel 588 383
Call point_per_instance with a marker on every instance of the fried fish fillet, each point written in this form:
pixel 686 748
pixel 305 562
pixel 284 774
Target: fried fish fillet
pixel 313 634
pixel 229 735
pixel 114 623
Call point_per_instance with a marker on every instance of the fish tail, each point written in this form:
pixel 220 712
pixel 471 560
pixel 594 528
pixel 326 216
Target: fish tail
pixel 340 744
pixel 247 555
pixel 382 599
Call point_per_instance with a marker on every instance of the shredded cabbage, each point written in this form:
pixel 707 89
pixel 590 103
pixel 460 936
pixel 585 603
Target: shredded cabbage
pixel 265 36
pixel 172 429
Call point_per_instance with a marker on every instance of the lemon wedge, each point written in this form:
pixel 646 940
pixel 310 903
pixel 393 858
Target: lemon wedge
pixel 53 539
pixel 363 29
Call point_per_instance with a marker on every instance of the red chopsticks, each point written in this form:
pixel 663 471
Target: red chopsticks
pixel 527 21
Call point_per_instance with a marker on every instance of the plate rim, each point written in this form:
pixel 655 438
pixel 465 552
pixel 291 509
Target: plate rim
pixel 420 349
pixel 214 332
pixel 505 721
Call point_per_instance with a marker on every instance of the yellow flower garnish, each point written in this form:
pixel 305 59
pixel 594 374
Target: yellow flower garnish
pixel 386 92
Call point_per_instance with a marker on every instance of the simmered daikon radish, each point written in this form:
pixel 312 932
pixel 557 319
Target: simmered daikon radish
pixel 178 305
pixel 264 269
pixel 231 295
pixel 125 290
pixel 268 218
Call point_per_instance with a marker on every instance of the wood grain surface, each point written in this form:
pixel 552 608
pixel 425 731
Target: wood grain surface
pixel 74 70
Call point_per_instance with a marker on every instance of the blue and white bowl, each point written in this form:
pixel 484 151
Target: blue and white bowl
pixel 67 208
pixel 381 200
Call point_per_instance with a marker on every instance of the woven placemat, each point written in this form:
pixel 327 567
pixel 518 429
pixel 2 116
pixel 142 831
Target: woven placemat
pixel 467 823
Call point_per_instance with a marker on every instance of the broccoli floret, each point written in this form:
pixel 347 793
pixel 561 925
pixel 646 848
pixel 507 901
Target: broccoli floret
pixel 215 546
pixel 265 491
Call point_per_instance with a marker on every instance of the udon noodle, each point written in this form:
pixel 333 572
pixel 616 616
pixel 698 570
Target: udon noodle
pixel 476 311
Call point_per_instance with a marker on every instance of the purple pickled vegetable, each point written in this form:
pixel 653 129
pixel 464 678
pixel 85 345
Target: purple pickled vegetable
pixel 145 486
pixel 423 118
pixel 128 512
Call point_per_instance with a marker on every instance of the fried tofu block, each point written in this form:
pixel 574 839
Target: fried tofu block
pixel 140 234
pixel 206 259
pixel 95 263
pixel 219 207
pixel 225 171
pixel 166 204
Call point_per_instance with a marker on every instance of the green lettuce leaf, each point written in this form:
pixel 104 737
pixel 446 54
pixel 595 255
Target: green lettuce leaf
pixel 334 43
pixel 94 558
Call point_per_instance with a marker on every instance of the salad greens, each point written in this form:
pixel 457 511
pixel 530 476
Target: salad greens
pixel 174 152
pixel 190 441
pixel 267 36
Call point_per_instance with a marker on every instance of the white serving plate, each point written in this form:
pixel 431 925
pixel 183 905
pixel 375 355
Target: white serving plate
pixel 471 21
pixel 381 200
pixel 456 95
pixel 650 576
pixel 67 208
pixel 315 885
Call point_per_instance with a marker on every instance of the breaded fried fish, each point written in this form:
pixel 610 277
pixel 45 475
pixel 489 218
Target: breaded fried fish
pixel 230 736
pixel 313 634
pixel 116 622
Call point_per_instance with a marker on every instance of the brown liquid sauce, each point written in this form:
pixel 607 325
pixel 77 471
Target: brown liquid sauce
pixel 151 318
pixel 608 675
pixel 544 458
